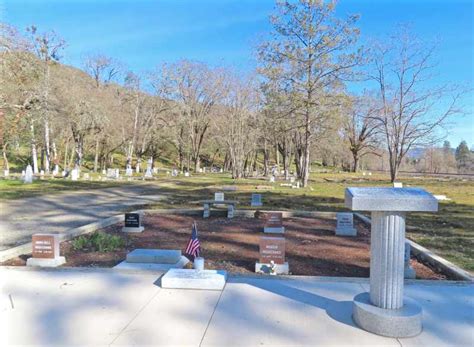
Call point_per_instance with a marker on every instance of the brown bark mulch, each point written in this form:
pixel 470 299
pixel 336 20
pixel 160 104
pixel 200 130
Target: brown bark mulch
pixel 312 248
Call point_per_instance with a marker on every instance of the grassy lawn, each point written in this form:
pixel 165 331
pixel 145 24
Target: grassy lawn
pixel 449 232
pixel 15 189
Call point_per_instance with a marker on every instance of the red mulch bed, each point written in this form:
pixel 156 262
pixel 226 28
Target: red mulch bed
pixel 312 249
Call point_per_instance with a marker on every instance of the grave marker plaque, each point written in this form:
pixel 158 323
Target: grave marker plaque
pixel 345 224
pixel 272 249
pixel 132 223
pixel 132 220
pixel 219 196
pixel 45 246
pixel 274 223
pixel 45 251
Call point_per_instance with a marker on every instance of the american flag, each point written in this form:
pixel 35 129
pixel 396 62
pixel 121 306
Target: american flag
pixel 193 249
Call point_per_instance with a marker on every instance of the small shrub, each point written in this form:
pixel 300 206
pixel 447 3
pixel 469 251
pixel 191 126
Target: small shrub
pixel 98 241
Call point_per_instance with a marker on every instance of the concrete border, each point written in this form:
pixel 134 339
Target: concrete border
pixel 429 257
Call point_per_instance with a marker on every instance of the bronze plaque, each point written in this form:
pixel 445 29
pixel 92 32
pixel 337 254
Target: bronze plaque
pixel 274 220
pixel 272 248
pixel 45 246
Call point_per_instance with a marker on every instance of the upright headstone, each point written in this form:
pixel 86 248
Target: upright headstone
pixel 218 196
pixel 345 224
pixel 397 185
pixel 6 173
pixel 117 173
pixel 56 170
pixel 409 271
pixel 186 174
pixel 174 173
pixel 74 174
pixel 149 172
pixel 256 200
pixel 272 256
pixel 28 175
pixel 129 171
pixel 45 251
pixel 104 172
pixel 385 311
pixel 133 223
pixel 274 223
pixel 272 179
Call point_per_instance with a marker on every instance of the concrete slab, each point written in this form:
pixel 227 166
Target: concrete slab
pixel 124 265
pixel 194 279
pixel 175 317
pixel 106 307
pixel 157 256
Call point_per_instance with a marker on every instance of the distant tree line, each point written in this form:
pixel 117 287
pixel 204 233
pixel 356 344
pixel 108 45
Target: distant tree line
pixel 294 110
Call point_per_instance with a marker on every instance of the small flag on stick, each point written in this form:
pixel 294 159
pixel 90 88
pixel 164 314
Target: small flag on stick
pixel 193 249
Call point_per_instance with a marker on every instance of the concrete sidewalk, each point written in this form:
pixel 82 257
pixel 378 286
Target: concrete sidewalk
pixel 106 307
pixel 58 213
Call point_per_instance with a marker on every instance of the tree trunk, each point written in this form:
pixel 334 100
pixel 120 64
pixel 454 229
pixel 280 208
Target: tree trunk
pixel 6 165
pixel 34 154
pixel 47 152
pixel 355 166
pixel 96 157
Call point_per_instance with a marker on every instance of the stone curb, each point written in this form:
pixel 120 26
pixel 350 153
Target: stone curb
pixel 426 255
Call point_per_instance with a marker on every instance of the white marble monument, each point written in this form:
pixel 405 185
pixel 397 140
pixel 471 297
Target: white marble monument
pixel 28 177
pixel 194 279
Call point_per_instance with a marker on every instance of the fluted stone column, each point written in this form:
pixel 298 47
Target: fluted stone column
pixel 387 259
pixel 385 311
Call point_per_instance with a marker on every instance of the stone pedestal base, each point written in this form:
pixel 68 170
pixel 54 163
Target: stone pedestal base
pixel 43 262
pixel 132 230
pixel 346 232
pixel 274 230
pixel 280 269
pixel 402 322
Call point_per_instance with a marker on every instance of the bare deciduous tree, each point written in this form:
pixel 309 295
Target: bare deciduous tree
pixel 412 109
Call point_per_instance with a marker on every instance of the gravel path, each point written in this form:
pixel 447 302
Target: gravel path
pixel 57 213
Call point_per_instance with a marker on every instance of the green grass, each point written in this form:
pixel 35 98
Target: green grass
pixel 449 232
pixel 15 189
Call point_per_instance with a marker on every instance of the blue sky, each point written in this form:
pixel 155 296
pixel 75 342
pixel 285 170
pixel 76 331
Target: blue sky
pixel 145 33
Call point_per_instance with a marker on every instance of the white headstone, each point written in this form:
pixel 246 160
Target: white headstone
pixel 117 173
pixel 87 176
pixel 219 196
pixel 74 174
pixel 28 175
pixel 6 173
pixel 345 224
pixel 56 170
pixel 397 185
pixel 186 174
pixel 104 172
pixel 256 200
pixel 129 171
pixel 42 173
pixel 272 179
